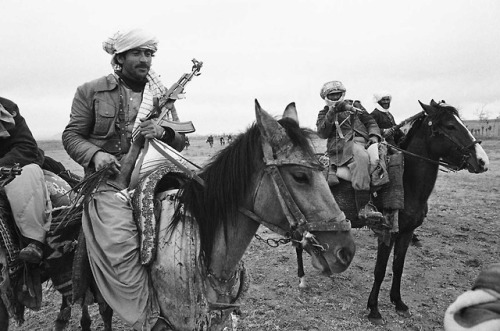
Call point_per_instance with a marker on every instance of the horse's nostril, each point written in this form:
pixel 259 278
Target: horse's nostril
pixel 344 256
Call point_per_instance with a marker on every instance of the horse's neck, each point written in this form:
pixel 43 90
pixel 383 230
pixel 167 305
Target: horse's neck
pixel 419 175
pixel 227 254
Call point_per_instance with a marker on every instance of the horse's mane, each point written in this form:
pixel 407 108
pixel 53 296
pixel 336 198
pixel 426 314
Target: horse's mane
pixel 442 110
pixel 227 178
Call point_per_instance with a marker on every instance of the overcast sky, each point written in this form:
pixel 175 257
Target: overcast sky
pixel 273 51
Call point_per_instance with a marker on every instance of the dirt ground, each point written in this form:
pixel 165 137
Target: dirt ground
pixel 459 237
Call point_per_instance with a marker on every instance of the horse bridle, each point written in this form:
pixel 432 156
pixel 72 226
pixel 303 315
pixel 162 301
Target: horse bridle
pixel 463 150
pixel 300 228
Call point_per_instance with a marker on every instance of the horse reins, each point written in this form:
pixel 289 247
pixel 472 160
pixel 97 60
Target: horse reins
pixel 451 167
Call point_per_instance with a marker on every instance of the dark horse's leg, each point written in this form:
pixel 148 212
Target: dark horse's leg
pixel 106 315
pixel 383 253
pixel 4 317
pixel 400 249
pixel 85 321
pixel 300 267
pixel 64 315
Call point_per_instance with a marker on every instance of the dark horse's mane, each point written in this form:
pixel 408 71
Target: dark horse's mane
pixel 436 119
pixel 227 179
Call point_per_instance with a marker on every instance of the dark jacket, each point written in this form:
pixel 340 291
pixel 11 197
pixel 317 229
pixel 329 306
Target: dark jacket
pixel 385 120
pixel 94 123
pixel 352 124
pixel 20 147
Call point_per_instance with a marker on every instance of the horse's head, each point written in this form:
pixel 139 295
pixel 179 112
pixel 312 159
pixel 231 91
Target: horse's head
pixel 293 197
pixel 459 148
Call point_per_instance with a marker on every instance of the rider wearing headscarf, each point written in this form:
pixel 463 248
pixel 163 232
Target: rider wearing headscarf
pixel 385 119
pixel 106 116
pixel 349 130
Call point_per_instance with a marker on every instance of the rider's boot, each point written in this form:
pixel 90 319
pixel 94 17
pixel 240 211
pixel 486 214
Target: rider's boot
pixel 366 210
pixel 33 253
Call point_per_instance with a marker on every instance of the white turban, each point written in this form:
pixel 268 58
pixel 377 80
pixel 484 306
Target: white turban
pixel 380 95
pixel 123 41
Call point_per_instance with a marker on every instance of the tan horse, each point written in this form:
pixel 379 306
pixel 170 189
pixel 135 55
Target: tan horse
pixel 268 175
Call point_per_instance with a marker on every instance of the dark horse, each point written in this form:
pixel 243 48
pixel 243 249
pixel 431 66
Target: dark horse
pixel 18 291
pixel 437 136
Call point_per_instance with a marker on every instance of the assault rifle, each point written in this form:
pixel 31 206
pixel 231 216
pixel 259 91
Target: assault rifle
pixel 122 180
pixel 175 92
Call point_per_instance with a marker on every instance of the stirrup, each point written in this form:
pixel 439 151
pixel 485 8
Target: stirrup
pixel 31 254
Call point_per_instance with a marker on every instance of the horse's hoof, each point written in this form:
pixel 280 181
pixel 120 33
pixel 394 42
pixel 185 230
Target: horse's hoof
pixel 376 320
pixel 404 313
pixel 302 283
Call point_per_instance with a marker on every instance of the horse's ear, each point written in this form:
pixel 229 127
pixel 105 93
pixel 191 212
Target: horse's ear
pixel 429 109
pixel 291 112
pixel 434 103
pixel 272 131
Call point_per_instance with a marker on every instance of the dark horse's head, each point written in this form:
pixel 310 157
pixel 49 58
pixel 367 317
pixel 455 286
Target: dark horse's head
pixel 459 148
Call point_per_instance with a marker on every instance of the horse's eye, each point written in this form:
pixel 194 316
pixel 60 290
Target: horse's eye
pixel 300 177
pixel 450 127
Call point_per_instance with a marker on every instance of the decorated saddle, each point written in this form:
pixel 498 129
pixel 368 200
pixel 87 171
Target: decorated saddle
pixel 146 203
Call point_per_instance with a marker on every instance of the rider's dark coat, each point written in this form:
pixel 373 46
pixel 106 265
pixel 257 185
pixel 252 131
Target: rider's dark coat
pixel 20 146
pixel 385 120
pixel 351 124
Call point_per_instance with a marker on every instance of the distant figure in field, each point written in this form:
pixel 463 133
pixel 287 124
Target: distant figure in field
pixel 186 143
pixel 229 139
pixel 222 141
pixel 210 141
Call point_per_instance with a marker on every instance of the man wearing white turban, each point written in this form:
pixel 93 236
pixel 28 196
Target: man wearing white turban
pixel 386 123
pixel 107 115
pixel 384 118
